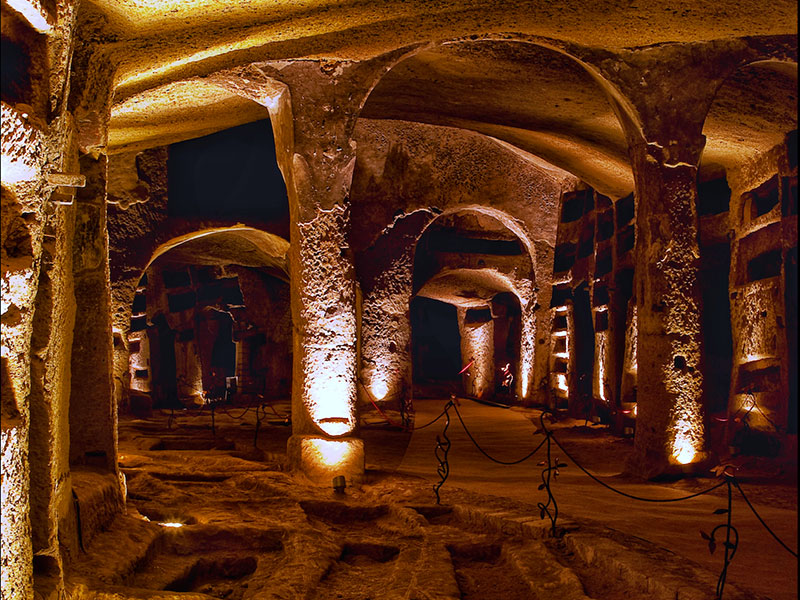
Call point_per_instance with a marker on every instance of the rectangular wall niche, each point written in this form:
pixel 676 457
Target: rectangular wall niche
pixel 764 265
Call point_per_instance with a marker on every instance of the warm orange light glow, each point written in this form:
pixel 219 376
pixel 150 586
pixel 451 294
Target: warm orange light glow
pixel 171 524
pixel 330 453
pixel 601 352
pixel 686 444
pixel 477 346
pixel 527 353
pixel 682 452
pixel 561 381
pixel 330 391
pixel 379 388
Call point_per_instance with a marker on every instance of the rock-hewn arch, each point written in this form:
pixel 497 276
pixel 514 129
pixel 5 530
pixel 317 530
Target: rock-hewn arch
pixel 238 244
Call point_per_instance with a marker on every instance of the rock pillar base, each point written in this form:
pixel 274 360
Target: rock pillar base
pixel 321 459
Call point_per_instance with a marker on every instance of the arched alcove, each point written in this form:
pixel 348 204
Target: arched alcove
pixel 473 295
pixel 211 313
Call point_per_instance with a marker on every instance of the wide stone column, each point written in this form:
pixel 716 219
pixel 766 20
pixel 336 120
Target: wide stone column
pixel 670 428
pixel 313 122
pixel 662 95
pixel 386 276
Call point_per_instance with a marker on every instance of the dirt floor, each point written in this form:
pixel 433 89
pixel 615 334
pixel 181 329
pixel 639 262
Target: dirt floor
pixel 213 513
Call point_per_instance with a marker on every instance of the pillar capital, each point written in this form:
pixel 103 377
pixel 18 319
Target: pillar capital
pixel 662 93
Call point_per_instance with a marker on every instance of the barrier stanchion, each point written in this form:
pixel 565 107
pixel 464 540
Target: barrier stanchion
pixel 441 452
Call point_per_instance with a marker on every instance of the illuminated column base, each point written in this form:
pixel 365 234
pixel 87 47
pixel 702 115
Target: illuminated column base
pixel 321 459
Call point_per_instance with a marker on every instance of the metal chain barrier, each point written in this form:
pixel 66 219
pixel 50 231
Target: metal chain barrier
pixel 441 452
pixel 550 472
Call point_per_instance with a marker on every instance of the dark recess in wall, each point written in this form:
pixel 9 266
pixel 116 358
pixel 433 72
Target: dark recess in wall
pixel 229 174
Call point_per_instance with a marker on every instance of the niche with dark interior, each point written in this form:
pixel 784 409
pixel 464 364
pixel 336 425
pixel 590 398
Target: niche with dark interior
pixel 560 296
pixel 572 206
pixel 181 302
pixel 600 295
pixel 601 320
pixel 139 323
pixel 605 225
pixel 626 239
pixel 221 290
pixel 604 263
pixel 560 322
pixel 763 199
pixel 713 197
pixel 176 279
pixel 139 304
pixel 765 265
pixel 625 209
pixel 564 257
pixel 23 53
pixel 477 315
pixel 586 243
pixel 789 196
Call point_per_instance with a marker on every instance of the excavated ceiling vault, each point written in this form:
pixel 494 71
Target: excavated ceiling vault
pixel 522 94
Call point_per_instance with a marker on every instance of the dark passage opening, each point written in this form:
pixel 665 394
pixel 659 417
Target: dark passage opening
pixel 435 342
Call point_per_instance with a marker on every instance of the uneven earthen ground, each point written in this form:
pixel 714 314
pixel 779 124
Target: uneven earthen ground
pixel 252 530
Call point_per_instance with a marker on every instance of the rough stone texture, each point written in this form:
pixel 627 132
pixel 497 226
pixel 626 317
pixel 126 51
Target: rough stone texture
pixel 51 501
pixel 670 377
pixel 477 347
pixel 22 236
pixel 93 418
pixel 474 107
pixel 385 370
pixel 405 168
pixel 760 316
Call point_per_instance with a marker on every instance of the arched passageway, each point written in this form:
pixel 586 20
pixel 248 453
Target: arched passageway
pixel 211 320
pixel 472 311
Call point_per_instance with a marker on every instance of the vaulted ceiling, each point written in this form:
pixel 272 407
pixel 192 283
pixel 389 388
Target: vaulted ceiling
pixel 523 94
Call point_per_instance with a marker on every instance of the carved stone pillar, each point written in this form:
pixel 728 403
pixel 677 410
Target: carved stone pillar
pixel 477 347
pixel 93 414
pixel 313 122
pixel 670 428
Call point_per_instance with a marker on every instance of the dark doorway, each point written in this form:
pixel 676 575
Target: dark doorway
pixel 162 363
pixel 435 342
